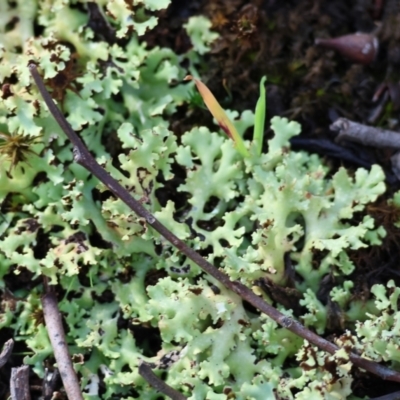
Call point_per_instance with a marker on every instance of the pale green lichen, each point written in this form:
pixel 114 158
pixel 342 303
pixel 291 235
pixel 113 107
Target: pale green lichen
pixel 198 29
pixel 377 337
pixel 117 277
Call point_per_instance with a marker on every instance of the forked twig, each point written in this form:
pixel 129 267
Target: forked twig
pixel 84 158
pixel 55 330
pixel 146 372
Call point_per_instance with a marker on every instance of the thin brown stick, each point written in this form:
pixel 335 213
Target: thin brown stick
pixel 6 352
pixel 19 383
pixel 55 330
pixel 153 380
pixel 84 158
pixel 364 134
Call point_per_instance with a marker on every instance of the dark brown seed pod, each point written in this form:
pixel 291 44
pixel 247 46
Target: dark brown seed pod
pixel 360 48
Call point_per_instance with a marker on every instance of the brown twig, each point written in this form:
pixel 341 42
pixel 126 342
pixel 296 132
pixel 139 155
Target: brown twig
pixel 366 135
pixel 55 330
pixel 84 158
pixel 6 352
pixel 19 383
pixel 146 372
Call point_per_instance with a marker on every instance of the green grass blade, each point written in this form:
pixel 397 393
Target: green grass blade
pixel 259 118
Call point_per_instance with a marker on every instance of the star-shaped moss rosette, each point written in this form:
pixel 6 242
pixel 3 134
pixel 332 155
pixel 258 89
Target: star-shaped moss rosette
pixel 16 148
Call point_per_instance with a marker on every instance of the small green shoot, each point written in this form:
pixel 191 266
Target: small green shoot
pixel 259 118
